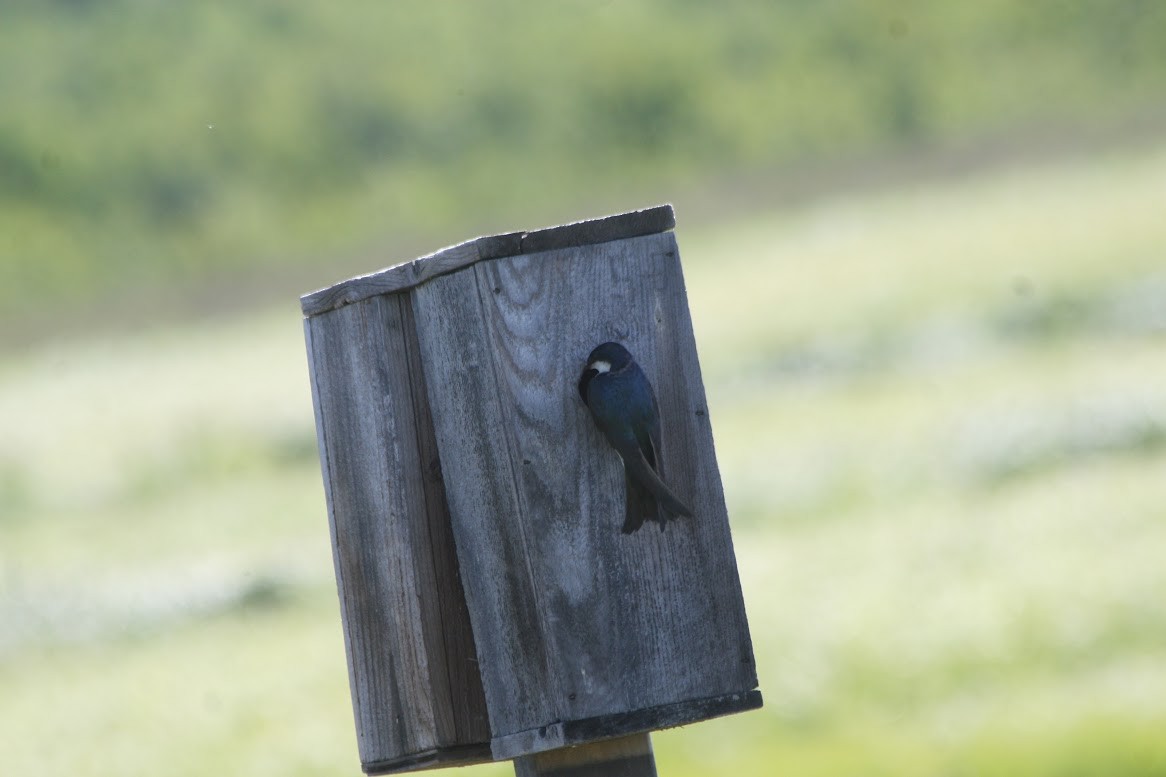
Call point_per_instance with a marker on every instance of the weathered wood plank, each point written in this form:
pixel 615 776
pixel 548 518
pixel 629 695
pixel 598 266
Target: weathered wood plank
pixel 627 756
pixel 406 275
pixel 369 524
pixel 410 661
pixel 470 417
pixel 445 617
pixel 575 621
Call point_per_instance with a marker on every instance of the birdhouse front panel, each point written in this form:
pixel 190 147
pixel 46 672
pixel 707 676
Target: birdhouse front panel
pixel 576 622
pixel 406 628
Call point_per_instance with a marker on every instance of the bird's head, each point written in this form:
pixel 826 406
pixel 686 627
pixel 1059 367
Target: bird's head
pixel 608 356
pixel 603 358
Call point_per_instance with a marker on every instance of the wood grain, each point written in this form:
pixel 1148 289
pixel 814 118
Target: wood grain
pixel 486 503
pixel 407 275
pixel 573 620
pixel 412 661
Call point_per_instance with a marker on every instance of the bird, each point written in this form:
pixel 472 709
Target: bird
pixel 623 406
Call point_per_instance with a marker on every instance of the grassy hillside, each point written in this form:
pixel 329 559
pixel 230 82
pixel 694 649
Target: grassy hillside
pixel 144 145
pixel 940 426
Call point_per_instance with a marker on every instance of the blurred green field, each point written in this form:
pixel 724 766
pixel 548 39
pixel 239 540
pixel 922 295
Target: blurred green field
pixel 147 147
pixel 941 427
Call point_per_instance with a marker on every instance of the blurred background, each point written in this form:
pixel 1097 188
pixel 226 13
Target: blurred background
pixel 925 247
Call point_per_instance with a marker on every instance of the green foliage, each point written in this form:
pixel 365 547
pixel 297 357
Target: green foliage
pixel 143 144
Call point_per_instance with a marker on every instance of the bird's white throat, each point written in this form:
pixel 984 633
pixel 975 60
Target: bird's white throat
pixel 600 366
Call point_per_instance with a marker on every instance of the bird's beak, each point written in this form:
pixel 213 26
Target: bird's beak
pixel 588 374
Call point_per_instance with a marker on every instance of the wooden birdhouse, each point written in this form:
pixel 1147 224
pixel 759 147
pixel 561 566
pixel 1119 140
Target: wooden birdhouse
pixel 492 607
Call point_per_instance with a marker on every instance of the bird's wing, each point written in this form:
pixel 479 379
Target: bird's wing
pixel 639 468
pixel 649 441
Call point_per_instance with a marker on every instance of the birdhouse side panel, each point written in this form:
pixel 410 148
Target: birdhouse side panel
pixel 380 511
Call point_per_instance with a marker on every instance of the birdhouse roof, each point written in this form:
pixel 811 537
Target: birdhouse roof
pixel 406 275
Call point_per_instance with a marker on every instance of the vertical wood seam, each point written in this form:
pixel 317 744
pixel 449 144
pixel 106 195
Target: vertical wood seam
pixel 409 328
pixel 549 664
pixel 417 383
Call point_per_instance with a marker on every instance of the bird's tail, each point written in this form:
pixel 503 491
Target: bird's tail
pixel 646 495
pixel 641 505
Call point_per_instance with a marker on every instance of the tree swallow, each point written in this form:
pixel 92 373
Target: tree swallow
pixel 622 402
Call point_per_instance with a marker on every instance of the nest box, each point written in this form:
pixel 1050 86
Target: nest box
pixel 492 607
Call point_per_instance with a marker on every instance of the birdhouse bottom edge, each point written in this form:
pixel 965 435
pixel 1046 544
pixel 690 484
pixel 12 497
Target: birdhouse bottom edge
pixel 435 758
pixel 577 732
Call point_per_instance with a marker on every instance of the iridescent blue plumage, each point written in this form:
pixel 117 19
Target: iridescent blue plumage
pixel 622 402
